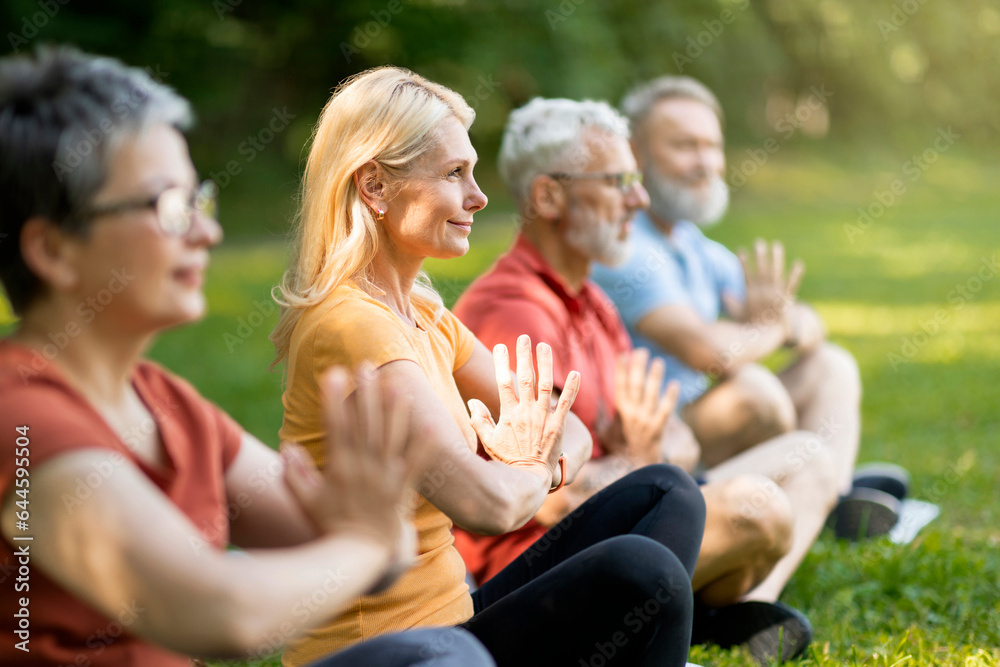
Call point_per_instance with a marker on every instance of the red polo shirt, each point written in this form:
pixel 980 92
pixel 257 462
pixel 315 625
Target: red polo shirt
pixel 522 294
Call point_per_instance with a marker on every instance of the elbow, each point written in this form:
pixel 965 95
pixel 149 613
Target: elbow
pixel 503 511
pixel 240 630
pixel 230 627
pixel 716 359
pixel 504 519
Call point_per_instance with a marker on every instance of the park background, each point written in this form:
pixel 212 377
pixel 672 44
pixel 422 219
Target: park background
pixel 862 134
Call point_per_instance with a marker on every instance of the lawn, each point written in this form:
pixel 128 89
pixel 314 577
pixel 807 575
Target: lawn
pixel 911 292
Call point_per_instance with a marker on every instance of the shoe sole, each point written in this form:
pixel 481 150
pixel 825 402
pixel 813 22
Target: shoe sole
pixel 788 639
pixel 863 514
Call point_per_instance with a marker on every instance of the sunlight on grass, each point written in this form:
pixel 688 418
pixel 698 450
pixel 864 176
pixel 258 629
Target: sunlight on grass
pixel 929 356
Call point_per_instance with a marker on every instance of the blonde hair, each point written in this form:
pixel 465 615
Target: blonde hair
pixel 385 115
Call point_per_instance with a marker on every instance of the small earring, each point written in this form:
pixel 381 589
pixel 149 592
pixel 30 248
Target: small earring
pixel 381 214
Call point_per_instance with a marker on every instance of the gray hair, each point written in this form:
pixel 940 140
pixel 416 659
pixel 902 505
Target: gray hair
pixel 546 135
pixel 62 116
pixel 641 99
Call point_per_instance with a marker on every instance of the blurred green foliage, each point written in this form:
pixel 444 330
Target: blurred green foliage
pixel 892 72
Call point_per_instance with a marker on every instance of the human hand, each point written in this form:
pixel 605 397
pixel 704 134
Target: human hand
pixel 770 293
pixel 808 330
pixel 642 411
pixel 370 464
pixel 529 429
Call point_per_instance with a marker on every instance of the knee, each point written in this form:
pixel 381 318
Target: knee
pixel 643 568
pixel 760 514
pixel 764 400
pixel 837 365
pixel 686 498
pixel 820 470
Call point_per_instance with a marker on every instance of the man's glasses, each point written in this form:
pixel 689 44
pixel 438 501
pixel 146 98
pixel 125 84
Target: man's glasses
pixel 624 181
pixel 175 207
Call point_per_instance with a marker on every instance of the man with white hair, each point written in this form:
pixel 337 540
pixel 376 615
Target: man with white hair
pixel 708 313
pixel 572 174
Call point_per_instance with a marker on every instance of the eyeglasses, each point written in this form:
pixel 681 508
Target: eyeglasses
pixel 624 180
pixel 175 207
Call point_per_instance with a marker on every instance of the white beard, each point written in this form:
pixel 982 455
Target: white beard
pixel 671 200
pixel 598 241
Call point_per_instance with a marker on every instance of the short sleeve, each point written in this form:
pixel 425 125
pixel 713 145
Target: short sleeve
pixel 51 421
pixel 176 397
pixel 356 330
pixel 462 340
pixel 649 279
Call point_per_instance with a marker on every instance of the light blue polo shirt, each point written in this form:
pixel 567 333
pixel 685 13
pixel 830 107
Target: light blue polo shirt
pixel 685 268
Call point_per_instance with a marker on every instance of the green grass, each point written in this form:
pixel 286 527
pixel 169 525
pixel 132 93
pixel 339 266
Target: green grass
pixel 930 401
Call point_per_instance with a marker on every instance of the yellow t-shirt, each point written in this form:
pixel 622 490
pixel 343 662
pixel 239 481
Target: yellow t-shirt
pixel 347 328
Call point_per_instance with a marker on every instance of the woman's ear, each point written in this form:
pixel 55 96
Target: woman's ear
pixel 50 254
pixel 369 182
pixel 546 198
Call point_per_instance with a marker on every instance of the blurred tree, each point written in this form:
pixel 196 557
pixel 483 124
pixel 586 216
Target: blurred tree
pixel 891 72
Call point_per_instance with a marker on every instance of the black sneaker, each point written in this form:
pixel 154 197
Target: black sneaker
pixel 768 630
pixel 888 477
pixel 864 513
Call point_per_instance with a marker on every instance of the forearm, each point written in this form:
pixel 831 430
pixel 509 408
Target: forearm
pixel 233 602
pixel 731 345
pixel 507 498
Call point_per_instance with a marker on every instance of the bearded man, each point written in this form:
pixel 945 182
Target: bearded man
pixel 571 172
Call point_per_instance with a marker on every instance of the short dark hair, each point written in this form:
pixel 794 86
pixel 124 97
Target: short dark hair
pixel 62 114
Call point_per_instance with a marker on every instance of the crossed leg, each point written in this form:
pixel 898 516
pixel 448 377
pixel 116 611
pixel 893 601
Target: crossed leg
pixel 812 465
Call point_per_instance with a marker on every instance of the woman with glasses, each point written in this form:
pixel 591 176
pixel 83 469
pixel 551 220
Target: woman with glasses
pixel 388 183
pixel 120 485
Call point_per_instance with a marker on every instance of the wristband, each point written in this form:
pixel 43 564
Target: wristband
pixel 562 473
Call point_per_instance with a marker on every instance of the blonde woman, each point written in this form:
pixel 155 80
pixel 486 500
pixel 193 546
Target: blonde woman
pixel 121 486
pixel 389 182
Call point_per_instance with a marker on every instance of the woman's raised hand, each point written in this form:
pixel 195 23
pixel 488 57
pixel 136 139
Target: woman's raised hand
pixel 529 428
pixel 370 462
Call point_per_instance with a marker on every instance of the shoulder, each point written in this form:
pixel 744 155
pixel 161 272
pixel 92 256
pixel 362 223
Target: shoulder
pixel 349 319
pixel 36 404
pixel 524 306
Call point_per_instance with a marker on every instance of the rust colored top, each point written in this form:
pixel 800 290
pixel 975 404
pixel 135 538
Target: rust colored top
pixel 37 403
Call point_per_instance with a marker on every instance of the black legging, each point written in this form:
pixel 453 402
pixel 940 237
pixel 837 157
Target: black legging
pixel 608 585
